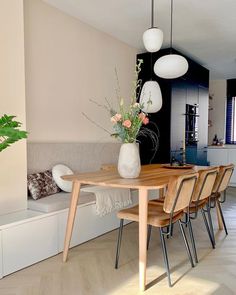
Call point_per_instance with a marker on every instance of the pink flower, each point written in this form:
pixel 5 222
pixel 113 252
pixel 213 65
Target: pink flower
pixel 127 123
pixel 145 121
pixel 142 116
pixel 116 118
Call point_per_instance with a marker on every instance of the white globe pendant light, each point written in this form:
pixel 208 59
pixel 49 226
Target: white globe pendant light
pixel 150 97
pixel 171 66
pixel 153 37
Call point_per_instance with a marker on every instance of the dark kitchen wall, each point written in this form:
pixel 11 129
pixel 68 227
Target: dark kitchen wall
pixel 192 88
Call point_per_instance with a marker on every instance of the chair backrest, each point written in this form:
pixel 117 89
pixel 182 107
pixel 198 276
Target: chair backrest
pixel 179 192
pixel 108 167
pixel 205 183
pixel 223 178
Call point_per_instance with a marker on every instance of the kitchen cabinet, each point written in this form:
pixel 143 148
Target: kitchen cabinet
pixel 232 159
pixel 222 156
pixel 217 156
pixel 178 104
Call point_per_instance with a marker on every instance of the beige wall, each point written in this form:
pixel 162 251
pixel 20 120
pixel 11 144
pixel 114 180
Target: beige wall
pixel 68 63
pixel 217 90
pixel 13 192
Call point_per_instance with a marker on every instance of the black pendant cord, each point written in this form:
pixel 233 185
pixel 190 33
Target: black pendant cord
pixel 152 14
pixel 171 27
pixel 152 26
pixel 151 66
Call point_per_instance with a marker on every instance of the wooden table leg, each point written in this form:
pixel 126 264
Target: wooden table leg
pixel 220 222
pixel 143 207
pixel 71 218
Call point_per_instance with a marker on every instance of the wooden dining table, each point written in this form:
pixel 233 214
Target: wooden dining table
pixel 152 177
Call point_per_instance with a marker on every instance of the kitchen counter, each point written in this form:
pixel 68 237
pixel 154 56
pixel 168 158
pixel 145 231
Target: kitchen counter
pixel 226 146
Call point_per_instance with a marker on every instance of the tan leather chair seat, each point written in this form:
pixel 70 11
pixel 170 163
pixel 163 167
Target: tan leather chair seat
pixel 156 215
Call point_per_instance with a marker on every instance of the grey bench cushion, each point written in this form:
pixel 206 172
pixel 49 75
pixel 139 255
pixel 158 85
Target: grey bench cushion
pixel 59 201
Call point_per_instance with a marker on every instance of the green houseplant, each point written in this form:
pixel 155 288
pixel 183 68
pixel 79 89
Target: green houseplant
pixel 10 132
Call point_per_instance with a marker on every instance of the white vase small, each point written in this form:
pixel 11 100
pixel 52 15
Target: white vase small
pixel 129 160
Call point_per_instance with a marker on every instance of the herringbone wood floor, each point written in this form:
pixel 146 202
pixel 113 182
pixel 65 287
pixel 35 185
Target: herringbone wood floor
pixel 90 269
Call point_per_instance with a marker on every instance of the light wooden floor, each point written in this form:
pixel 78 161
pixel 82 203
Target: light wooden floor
pixel 90 270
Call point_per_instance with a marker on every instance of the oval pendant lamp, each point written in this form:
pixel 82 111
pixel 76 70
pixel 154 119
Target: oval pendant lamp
pixel 150 97
pixel 153 37
pixel 171 66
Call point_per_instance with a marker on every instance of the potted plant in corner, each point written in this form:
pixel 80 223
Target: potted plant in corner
pixel 10 132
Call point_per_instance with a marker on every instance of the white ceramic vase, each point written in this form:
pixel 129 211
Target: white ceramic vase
pixel 129 160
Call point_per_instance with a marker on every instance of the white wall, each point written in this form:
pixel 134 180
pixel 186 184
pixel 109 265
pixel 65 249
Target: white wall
pixel 68 63
pixel 13 192
pixel 217 89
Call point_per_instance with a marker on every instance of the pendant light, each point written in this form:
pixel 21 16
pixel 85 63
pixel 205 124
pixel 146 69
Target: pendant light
pixel 153 37
pixel 151 97
pixel 171 66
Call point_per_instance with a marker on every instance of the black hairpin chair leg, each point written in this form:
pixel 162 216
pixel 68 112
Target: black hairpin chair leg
pixel 207 228
pixel 186 243
pixel 211 224
pixel 192 241
pixel 222 217
pixel 119 243
pixel 163 244
pixel 149 235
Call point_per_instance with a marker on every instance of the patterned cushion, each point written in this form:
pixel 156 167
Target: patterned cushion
pixel 41 185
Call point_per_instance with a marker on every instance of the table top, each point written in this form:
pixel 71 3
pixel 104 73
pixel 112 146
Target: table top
pixel 151 177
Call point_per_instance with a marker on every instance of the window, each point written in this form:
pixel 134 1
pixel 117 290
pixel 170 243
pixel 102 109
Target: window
pixel 231 112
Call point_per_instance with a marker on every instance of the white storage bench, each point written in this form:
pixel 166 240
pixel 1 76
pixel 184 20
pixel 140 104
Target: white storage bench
pixel 31 236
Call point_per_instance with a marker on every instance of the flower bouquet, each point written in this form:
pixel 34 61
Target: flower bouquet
pixel 129 126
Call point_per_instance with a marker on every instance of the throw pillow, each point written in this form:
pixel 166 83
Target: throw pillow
pixel 57 172
pixel 41 185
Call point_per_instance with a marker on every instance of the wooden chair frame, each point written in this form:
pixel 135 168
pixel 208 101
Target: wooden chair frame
pixel 219 201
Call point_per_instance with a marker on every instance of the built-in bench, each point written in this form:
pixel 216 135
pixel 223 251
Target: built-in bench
pixel 80 157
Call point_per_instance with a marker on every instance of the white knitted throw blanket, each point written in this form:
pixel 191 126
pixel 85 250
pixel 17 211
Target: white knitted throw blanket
pixel 109 199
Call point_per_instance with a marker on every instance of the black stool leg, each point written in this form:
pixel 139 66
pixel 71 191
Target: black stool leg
pixel 208 229
pixel 163 244
pixel 186 243
pixel 119 243
pixel 149 235
pixel 192 241
pixel 222 216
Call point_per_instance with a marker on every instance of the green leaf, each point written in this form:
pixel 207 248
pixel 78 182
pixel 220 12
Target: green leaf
pixel 9 132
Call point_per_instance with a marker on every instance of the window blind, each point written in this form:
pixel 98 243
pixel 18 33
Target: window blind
pixel 230 112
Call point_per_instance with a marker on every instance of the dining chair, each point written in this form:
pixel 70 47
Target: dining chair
pixel 219 191
pixel 163 216
pixel 108 167
pixel 201 201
